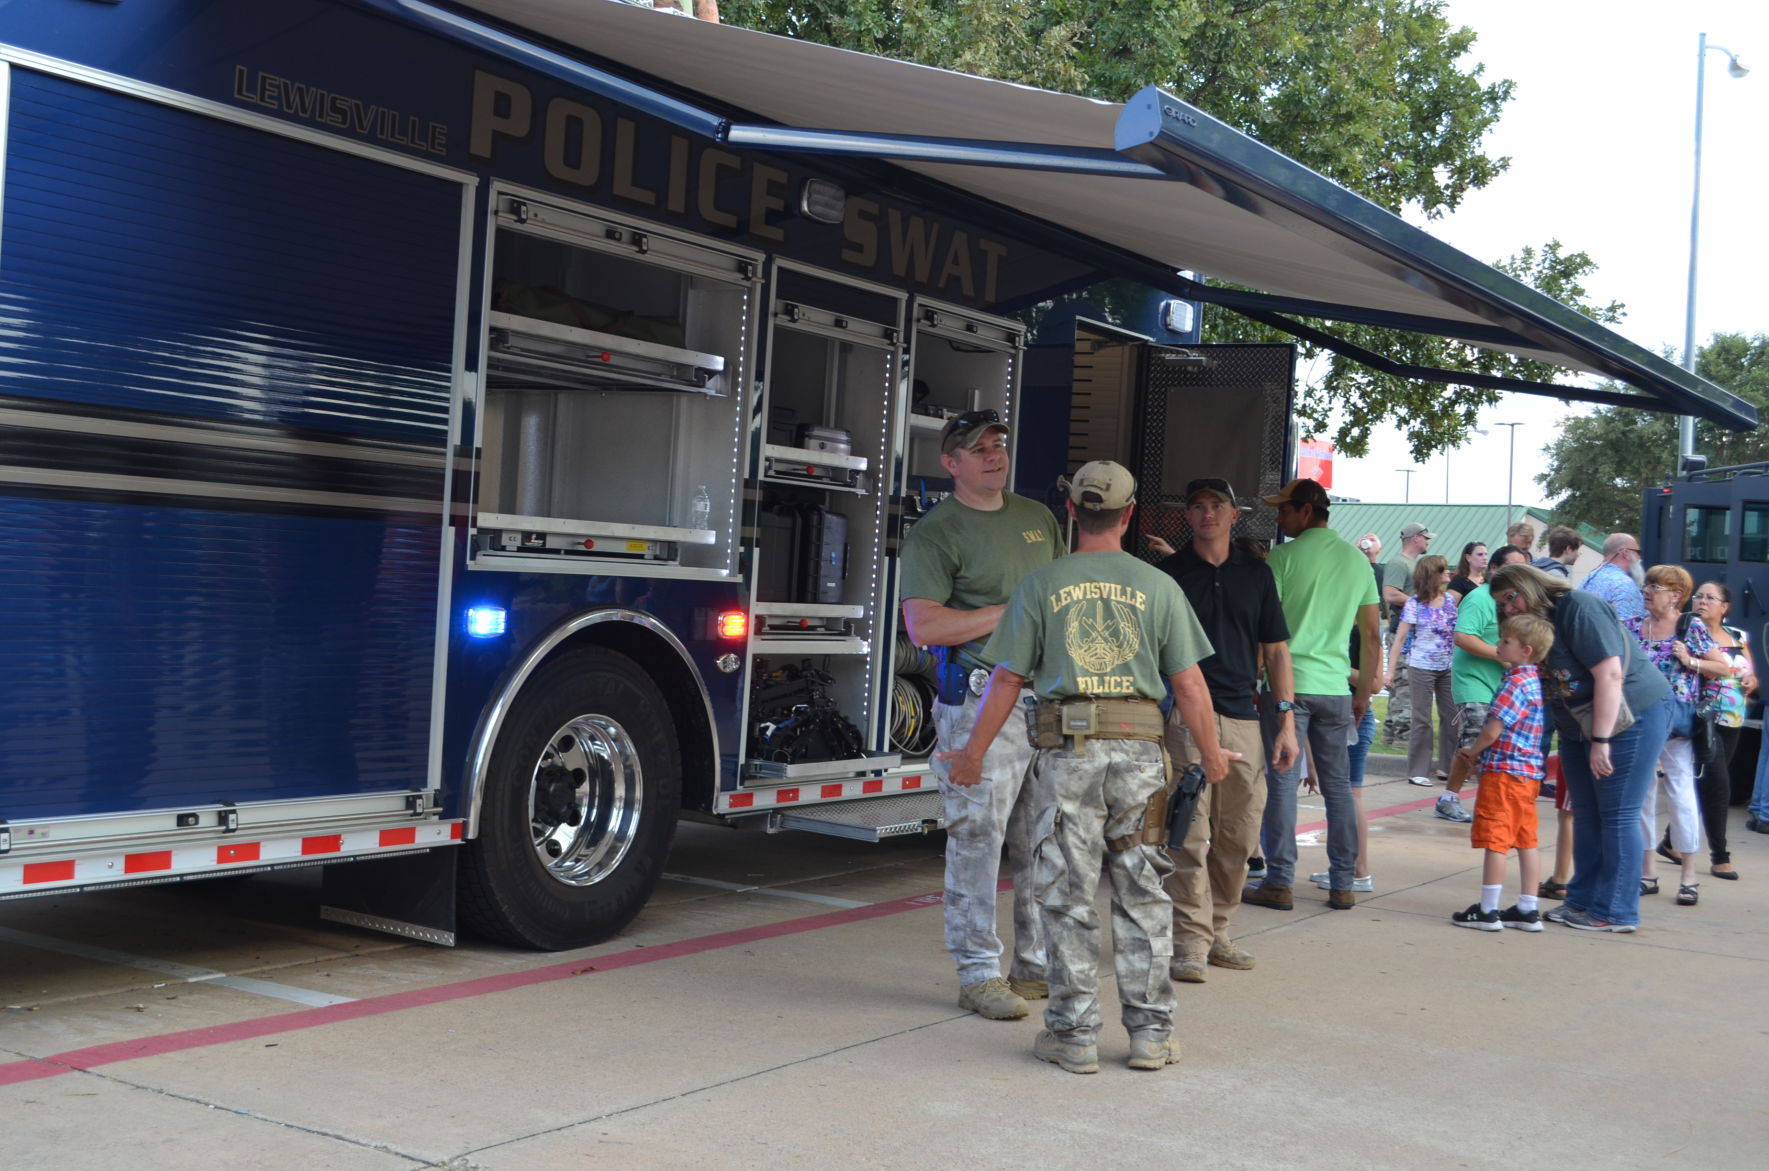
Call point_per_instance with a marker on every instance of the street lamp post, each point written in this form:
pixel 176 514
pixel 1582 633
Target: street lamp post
pixel 1510 468
pixel 1406 493
pixel 1686 424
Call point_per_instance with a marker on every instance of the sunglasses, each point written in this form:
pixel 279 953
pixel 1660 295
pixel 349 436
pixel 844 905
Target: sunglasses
pixel 971 419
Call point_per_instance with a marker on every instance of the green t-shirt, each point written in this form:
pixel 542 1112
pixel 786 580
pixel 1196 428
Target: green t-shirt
pixel 1098 624
pixel 967 559
pixel 1472 678
pixel 1322 581
pixel 1396 574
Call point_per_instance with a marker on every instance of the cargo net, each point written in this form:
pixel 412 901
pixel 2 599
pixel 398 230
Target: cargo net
pixel 794 719
pixel 1227 415
pixel 912 698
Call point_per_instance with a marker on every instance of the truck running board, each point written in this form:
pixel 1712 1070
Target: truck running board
pixel 868 821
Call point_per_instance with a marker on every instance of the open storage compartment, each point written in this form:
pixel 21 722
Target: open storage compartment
pixel 962 361
pixel 824 460
pixel 616 361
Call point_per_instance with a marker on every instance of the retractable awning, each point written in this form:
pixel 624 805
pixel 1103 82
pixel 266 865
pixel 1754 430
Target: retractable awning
pixel 1143 189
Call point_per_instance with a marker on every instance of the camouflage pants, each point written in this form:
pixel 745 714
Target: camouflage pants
pixel 980 820
pixel 1399 724
pixel 1081 801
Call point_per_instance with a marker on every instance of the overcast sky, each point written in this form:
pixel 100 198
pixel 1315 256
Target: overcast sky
pixel 1601 134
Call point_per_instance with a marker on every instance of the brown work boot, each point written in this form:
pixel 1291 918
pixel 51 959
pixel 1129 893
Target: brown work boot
pixel 1341 900
pixel 992 998
pixel 1153 1052
pixel 1227 955
pixel 1029 989
pixel 1268 894
pixel 1187 969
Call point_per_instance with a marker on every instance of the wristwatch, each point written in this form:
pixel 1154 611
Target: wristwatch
pixel 1284 705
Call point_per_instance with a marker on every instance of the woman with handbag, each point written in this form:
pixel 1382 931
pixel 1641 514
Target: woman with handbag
pixel 1726 693
pixel 1612 711
pixel 1675 643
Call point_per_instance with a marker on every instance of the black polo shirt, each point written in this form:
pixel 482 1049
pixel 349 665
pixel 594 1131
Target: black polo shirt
pixel 1237 604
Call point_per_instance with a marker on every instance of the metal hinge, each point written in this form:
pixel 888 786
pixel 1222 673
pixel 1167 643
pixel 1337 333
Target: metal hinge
pixel 229 819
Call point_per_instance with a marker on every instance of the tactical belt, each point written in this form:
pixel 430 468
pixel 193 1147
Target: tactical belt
pixel 1073 722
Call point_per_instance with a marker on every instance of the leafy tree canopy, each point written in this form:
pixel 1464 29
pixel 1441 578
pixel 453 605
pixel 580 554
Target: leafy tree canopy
pixel 1601 463
pixel 1370 93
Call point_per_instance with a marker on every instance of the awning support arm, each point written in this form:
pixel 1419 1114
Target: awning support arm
pixel 1377 362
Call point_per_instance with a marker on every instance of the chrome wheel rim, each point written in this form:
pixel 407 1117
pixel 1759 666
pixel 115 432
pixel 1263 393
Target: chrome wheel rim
pixel 589 769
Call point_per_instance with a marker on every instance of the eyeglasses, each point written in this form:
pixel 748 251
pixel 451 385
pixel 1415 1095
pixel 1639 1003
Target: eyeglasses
pixel 1510 596
pixel 1708 598
pixel 1663 589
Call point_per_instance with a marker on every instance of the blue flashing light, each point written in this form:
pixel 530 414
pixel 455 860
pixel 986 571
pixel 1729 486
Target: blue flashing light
pixel 486 621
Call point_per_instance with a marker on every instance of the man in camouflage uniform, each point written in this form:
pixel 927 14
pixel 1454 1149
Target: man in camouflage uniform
pixel 960 564
pixel 1397 587
pixel 1095 632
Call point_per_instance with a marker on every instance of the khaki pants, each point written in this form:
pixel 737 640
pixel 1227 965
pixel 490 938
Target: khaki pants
pixel 1210 867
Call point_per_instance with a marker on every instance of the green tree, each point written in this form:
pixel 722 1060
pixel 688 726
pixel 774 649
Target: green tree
pixel 1602 462
pixel 1371 93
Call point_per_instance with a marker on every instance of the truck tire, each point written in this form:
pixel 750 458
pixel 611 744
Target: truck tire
pixel 579 807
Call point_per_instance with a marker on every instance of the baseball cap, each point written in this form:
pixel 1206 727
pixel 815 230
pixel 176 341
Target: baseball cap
pixel 1301 491
pixel 968 429
pixel 1415 529
pixel 1101 486
pixel 1214 485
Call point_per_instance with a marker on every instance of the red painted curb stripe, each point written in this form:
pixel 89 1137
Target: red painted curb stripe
pixel 100 1055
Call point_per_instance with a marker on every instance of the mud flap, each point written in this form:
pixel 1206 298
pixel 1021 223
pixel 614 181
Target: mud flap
pixel 410 894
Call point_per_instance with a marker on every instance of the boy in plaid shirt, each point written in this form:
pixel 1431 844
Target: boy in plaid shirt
pixel 1509 749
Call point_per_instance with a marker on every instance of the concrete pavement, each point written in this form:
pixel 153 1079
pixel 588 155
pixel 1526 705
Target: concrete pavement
pixel 743 1029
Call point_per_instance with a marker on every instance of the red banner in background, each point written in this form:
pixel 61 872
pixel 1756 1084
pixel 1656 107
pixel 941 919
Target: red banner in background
pixel 1315 462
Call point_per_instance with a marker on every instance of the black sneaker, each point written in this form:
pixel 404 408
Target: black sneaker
pixel 1478 919
pixel 1522 920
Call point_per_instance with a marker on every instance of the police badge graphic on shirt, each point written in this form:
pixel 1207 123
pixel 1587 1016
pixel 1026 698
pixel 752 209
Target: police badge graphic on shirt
pixel 1101 635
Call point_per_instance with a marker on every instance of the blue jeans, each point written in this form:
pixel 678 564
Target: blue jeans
pixel 1360 752
pixel 1759 806
pixel 1323 723
pixel 1606 844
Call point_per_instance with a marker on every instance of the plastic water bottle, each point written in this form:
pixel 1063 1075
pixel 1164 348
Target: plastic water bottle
pixel 700 514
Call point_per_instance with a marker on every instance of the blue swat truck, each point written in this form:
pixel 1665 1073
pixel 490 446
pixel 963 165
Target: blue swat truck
pixel 450 443
pixel 1714 522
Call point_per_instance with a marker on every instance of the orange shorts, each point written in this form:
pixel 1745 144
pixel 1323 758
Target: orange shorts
pixel 1505 813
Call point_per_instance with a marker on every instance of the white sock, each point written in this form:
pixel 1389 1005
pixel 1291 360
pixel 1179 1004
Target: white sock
pixel 1489 897
pixel 1526 903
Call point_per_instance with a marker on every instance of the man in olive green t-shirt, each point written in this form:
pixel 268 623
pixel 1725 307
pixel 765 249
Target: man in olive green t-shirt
pixel 1100 625
pixel 1326 588
pixel 960 564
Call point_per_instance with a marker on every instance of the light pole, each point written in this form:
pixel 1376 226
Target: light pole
pixel 1446 465
pixel 1510 468
pixel 1406 493
pixel 1686 424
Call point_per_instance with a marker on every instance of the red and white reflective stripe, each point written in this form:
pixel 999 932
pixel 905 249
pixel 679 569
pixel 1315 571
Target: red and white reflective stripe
pixel 818 791
pixel 213 857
